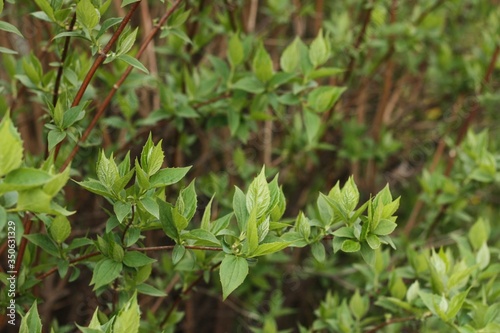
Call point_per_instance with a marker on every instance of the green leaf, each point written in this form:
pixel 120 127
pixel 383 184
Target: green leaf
pixel 11 153
pixel 167 220
pixel 47 8
pixel 5 26
pixel 150 205
pixel 268 248
pixel 240 208
pixel 252 234
pixel 373 241
pixel 60 229
pixel 358 305
pixel 262 64
pixel 7 51
pixel 312 123
pixel 95 186
pixel 250 84
pixel 133 62
pixel 105 271
pixel 87 14
pixel 235 51
pixel 168 176
pixel 385 227
pixel 127 2
pixel 290 58
pixel 128 319
pixel 319 51
pixel 44 242
pixel 107 170
pixel 325 72
pixel 368 254
pixel 205 220
pixel 142 177
pixel 478 234
pixel 190 201
pixel 350 246
pixel 318 251
pixel 346 232
pixel 233 271
pixel 302 226
pixel 147 289
pixel 258 196
pixel 122 209
pixel 397 288
pixel 456 303
pixel 323 98
pixel 31 322
pixel 136 259
pixel 178 18
pixel 204 237
pixel 25 179
pixel 73 115
pixel 483 256
pixel 178 253
pixel 54 137
pixel 180 220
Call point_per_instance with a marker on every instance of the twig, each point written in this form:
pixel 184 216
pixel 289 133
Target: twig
pixel 27 228
pixel 97 62
pixel 63 59
pixel 393 321
pixel 365 17
pixel 117 85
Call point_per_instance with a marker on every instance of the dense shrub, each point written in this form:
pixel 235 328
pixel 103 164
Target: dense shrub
pixel 160 164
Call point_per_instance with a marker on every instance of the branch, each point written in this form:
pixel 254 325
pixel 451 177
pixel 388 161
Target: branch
pixel 27 227
pixel 117 85
pixel 97 62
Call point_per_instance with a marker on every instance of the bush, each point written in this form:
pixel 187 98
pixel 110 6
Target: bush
pixel 160 164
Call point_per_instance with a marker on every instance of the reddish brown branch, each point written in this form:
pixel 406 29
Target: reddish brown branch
pixel 20 254
pixel 118 84
pixel 98 61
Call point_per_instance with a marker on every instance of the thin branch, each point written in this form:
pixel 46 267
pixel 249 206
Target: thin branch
pixel 97 62
pixel 118 84
pixel 393 321
pixel 64 54
pixel 27 228
pixel 73 261
pixel 364 17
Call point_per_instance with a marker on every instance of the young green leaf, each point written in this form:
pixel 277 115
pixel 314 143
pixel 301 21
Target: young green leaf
pixel 319 51
pixel 252 234
pixel 233 271
pixel 11 153
pixel 60 229
pixel 235 51
pixel 290 58
pixel 31 322
pixel 262 64
pixel 87 14
pixel 137 259
pixel 258 196
pixel 168 176
pixel 128 319
pixel 105 271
